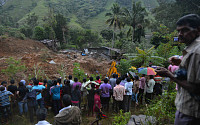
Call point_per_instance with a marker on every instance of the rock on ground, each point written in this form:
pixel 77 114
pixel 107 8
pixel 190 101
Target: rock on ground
pixel 142 120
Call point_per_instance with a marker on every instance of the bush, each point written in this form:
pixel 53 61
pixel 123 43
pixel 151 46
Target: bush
pixel 14 66
pixel 2 30
pixel 20 35
pixel 121 118
pixel 163 108
pixel 13 32
pixel 39 33
pixel 78 72
pixel 124 66
pixel 27 31
pixel 67 46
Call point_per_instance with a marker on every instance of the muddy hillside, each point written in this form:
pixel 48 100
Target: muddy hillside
pixel 37 57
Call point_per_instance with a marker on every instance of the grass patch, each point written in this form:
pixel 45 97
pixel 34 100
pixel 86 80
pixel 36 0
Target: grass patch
pixel 97 23
pixel 24 120
pixel 73 24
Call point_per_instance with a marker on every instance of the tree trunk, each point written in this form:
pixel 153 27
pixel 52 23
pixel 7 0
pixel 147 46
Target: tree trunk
pixel 133 34
pixel 113 42
pixel 63 31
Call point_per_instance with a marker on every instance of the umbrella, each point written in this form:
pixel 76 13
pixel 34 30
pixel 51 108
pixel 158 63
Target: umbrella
pixel 148 71
pixel 139 69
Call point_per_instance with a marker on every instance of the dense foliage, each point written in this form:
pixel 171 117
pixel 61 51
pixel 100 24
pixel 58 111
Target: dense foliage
pixel 124 66
pixel 163 108
pixel 169 12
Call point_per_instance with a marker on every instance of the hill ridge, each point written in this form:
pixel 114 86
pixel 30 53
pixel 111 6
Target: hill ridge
pixel 89 13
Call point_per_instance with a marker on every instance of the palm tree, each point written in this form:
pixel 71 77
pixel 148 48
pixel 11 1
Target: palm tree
pixel 114 19
pixel 135 18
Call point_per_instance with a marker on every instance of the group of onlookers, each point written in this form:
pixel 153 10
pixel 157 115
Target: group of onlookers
pixel 92 95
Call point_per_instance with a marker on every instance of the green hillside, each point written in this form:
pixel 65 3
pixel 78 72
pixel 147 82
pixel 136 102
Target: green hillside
pixel 81 13
pixel 97 23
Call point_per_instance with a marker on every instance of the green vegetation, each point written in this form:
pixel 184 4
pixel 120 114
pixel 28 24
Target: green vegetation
pixel 81 24
pixel 11 32
pixel 124 66
pixel 168 12
pixel 38 73
pixel 114 20
pixel 163 108
pixel 121 118
pixel 89 14
pixel 14 67
pixel 62 72
pixel 39 33
pixel 78 72
pixel 136 20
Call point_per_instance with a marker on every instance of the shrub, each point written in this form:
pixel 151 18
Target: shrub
pixel 14 66
pixel 78 72
pixel 163 108
pixel 27 31
pixel 124 66
pixel 2 30
pixel 39 33
pixel 20 35
pixel 121 118
pixel 67 46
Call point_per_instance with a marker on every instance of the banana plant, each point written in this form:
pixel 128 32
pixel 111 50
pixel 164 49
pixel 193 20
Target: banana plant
pixel 143 57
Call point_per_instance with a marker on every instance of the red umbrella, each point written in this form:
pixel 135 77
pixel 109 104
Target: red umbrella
pixel 148 71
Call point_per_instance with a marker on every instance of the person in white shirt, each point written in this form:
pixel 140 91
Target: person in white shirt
pixel 127 97
pixel 149 89
pixel 71 81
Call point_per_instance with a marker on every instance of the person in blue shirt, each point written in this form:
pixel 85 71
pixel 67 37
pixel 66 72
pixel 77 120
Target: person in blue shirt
pixel 40 101
pixel 5 110
pixel 55 93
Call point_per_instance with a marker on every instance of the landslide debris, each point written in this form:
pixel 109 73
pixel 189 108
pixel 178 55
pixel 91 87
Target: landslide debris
pixel 36 56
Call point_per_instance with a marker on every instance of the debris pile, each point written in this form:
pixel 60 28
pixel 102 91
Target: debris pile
pixel 37 56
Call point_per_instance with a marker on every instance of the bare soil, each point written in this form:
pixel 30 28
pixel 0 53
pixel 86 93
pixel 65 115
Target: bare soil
pixel 33 53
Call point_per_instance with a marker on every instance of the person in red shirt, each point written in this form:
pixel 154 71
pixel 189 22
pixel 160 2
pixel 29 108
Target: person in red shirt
pixel 97 107
pixel 97 101
pixel 98 80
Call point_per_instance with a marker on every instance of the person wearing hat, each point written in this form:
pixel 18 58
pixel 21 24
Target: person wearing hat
pixel 23 81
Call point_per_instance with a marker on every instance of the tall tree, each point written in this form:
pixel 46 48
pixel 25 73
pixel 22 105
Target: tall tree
pixel 32 20
pixel 60 27
pixel 114 19
pixel 168 13
pixel 135 19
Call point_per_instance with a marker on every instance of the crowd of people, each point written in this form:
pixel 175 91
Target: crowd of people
pixel 93 96
pixel 68 98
